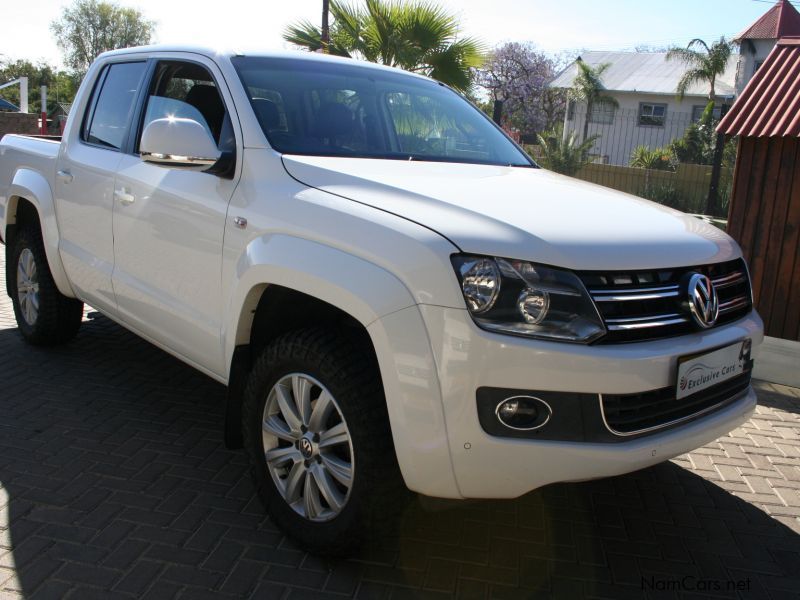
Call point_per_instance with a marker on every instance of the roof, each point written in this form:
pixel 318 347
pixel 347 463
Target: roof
pixel 227 53
pixel 782 20
pixel 770 104
pixel 6 105
pixel 646 72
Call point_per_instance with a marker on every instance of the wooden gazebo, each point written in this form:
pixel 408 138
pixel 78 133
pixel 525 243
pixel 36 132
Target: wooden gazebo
pixel 764 212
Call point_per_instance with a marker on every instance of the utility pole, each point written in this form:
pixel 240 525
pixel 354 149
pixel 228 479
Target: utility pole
pixel 326 35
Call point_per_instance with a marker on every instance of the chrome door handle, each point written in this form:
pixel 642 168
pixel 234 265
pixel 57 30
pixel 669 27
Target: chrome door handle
pixel 125 198
pixel 64 176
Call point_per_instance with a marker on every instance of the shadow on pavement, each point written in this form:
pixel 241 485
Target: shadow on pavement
pixel 117 484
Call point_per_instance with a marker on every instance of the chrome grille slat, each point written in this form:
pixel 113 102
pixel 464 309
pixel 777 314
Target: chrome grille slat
pixel 636 295
pixel 647 324
pixel 737 302
pixel 722 282
pixel 648 318
pixel 663 288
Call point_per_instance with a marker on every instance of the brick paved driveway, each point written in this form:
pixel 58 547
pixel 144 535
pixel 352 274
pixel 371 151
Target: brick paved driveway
pixel 114 483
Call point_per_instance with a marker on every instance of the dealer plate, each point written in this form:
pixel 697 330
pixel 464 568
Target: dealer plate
pixel 701 371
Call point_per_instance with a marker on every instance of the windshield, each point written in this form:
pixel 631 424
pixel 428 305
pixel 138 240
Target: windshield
pixel 328 109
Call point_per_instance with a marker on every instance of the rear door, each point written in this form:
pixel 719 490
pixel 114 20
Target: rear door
pixel 84 184
pixel 169 223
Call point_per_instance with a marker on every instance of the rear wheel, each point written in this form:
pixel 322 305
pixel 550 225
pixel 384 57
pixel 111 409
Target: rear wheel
pixel 44 315
pixel 317 431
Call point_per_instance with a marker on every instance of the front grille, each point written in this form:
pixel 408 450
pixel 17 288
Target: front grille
pixel 634 413
pixel 647 305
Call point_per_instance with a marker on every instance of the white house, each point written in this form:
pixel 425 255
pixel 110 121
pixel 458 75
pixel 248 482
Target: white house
pixel 644 85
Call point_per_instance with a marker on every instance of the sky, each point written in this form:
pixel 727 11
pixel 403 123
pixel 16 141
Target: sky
pixel 553 25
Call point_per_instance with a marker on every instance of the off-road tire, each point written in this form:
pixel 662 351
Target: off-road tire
pixel 346 366
pixel 59 317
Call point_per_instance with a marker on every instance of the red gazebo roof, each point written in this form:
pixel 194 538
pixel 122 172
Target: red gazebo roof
pixel 782 20
pixel 770 104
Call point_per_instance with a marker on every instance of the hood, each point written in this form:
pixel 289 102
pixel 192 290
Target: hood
pixel 523 213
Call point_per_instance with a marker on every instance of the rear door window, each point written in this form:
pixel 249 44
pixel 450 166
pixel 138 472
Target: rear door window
pixel 108 123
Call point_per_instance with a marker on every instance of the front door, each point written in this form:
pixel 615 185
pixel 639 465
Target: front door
pixel 169 225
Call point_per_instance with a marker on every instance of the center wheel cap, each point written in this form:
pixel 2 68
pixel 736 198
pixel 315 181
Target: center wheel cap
pixel 306 449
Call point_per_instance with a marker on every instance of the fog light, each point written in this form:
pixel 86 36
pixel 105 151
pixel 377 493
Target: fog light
pixel 523 413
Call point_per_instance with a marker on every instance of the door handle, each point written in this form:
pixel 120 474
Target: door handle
pixel 125 198
pixel 64 176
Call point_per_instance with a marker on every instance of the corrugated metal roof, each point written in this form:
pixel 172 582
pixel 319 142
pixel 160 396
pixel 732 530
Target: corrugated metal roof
pixel 646 72
pixel 782 20
pixel 770 104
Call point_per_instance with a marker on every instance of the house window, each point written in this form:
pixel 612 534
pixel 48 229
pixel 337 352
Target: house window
pixel 652 115
pixel 602 113
pixel 570 110
pixel 758 66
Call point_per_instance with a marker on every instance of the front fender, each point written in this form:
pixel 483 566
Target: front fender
pixel 386 308
pixel 33 187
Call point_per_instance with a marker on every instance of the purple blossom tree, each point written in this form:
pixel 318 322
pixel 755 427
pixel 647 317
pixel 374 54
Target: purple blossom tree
pixel 518 74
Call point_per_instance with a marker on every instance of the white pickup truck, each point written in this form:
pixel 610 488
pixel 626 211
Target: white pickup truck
pixel 396 296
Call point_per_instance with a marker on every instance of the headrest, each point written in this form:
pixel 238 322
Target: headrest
pixel 334 119
pixel 267 113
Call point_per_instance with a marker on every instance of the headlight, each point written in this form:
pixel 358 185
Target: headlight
pixel 523 298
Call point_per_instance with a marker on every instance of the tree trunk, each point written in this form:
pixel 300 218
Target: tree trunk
pixel 325 31
pixel 586 121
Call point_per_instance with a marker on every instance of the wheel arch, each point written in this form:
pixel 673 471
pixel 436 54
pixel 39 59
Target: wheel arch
pixel 29 196
pixel 279 271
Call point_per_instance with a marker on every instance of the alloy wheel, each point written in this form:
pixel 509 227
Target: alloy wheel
pixel 307 447
pixel 28 287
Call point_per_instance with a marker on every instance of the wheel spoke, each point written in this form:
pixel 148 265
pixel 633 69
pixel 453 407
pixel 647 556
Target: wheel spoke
pixel 327 488
pixel 274 426
pixel 321 412
pixel 288 409
pixel 311 500
pixel 294 482
pixel 281 456
pixel 301 388
pixel 30 265
pixel 333 436
pixel 340 470
pixel 30 315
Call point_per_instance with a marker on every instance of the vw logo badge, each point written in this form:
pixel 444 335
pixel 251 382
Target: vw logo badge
pixel 306 448
pixel 703 300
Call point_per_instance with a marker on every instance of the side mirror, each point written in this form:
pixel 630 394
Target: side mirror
pixel 178 143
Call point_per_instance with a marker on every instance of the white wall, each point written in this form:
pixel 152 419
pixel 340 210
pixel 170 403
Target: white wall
pixel 618 139
pixel 751 52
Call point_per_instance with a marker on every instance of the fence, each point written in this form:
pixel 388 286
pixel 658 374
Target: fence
pixel 620 132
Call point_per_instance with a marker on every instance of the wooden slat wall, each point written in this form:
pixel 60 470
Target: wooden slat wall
pixel 764 217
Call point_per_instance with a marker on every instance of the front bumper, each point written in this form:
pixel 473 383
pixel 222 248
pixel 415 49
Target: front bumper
pixel 486 466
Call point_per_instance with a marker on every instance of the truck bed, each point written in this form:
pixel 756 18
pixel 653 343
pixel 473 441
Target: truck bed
pixel 23 152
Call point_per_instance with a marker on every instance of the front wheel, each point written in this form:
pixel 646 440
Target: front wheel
pixel 317 431
pixel 45 316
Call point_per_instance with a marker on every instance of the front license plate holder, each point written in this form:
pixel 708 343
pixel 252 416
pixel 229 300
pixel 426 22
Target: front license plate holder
pixel 697 372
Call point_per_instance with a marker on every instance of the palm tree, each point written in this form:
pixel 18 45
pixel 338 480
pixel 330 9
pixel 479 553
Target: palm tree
pixel 588 87
pixel 562 153
pixel 705 64
pixel 417 36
